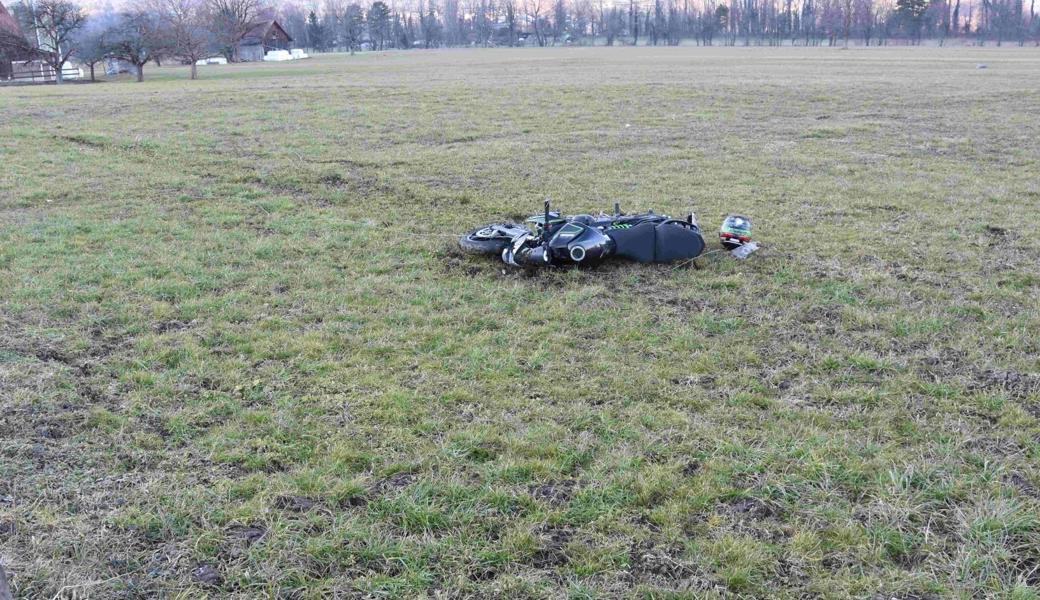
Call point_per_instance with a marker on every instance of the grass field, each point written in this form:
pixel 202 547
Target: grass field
pixel 240 354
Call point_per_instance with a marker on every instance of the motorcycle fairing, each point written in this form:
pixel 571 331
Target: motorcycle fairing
pixel 580 243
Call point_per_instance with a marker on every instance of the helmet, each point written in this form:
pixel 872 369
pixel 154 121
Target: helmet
pixel 735 231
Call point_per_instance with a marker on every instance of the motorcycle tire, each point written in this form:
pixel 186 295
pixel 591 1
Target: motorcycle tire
pixel 475 244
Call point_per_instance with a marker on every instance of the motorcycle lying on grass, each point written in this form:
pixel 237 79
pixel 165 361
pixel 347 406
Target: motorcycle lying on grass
pixel 556 240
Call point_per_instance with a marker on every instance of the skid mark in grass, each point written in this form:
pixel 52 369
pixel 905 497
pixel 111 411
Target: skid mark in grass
pixel 557 492
pixel 551 552
pixel 297 504
pixel 1019 385
pixel 825 133
pixel 87 140
pixel 750 507
pixel 393 482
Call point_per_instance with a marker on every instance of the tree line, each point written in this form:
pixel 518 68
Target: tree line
pixel 188 31
pixel 436 23
pixel 191 30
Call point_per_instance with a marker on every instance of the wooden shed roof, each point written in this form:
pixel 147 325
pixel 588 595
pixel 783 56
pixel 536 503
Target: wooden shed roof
pixel 8 23
pixel 261 30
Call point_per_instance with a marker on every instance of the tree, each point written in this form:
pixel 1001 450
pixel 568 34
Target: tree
pixel 658 25
pixel 864 18
pixel 316 33
pixel 533 12
pixel 615 25
pixel 559 21
pixel 331 22
pixel 633 16
pixel 431 27
pixel 185 24
pixel 230 21
pixel 510 6
pixel 293 19
pixel 846 19
pixel 721 20
pixel 56 23
pixel 379 23
pixel 450 22
pixel 481 24
pixel 675 28
pixel 353 27
pixel 136 38
pixel 912 12
pixel 402 32
pixel 584 14
pixel 92 40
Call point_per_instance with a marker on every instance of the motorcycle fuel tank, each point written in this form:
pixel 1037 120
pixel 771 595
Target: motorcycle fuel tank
pixel 579 243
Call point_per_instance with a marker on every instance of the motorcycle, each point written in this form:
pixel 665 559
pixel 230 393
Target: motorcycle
pixel 552 239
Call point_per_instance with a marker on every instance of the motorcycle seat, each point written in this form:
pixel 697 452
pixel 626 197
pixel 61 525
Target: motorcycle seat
pixel 657 242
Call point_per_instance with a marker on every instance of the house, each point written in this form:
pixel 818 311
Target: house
pixel 20 60
pixel 14 47
pixel 262 37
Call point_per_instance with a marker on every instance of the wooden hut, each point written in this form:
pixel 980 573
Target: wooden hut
pixel 262 37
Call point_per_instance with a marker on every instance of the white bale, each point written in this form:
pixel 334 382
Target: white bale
pixel 277 56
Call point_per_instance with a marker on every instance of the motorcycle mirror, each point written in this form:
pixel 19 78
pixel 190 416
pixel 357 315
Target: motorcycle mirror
pixel 545 225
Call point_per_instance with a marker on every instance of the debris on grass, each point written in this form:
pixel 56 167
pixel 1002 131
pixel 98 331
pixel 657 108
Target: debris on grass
pixel 558 492
pixel 752 507
pixel 744 251
pixel 250 534
pixel 295 503
pixel 207 575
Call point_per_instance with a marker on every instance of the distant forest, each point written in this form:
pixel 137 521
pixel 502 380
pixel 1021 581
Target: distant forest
pixel 57 32
pixel 435 23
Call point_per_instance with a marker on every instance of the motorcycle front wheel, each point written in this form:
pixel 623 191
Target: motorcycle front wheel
pixel 485 240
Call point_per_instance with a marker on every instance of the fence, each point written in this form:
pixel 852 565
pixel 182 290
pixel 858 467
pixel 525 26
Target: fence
pixel 37 72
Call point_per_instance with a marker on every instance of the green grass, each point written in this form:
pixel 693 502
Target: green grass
pixel 241 356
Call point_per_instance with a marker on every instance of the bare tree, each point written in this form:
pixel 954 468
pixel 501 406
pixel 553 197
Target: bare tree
pixel 92 40
pixel 430 26
pixel 450 19
pixel 559 30
pixel 137 38
pixel 846 19
pixel 615 25
pixel 533 13
pixel 633 20
pixel 584 15
pixel 186 25
pixel 510 6
pixel 481 22
pixel 230 21
pixel 56 23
